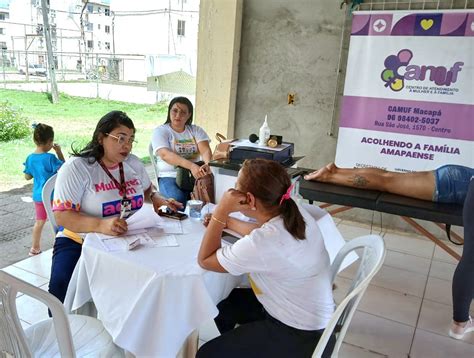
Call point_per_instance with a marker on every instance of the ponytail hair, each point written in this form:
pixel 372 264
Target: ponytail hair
pixel 42 133
pixel 268 181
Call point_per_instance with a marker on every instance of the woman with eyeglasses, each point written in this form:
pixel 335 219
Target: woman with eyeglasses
pixel 179 143
pixel 95 191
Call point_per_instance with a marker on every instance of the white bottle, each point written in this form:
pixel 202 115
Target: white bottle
pixel 264 133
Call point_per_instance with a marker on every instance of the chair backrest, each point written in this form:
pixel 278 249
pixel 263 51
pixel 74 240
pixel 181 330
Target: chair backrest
pixel 370 262
pixel 46 197
pixel 12 337
pixel 153 161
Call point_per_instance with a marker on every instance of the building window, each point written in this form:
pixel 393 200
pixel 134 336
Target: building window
pixel 90 44
pixel 3 16
pixel 2 31
pixel 99 10
pixel 181 27
pixel 99 45
pixel 107 12
pixel 107 45
pixel 90 9
pixel 107 29
pixel 90 26
pixel 98 26
pixel 3 45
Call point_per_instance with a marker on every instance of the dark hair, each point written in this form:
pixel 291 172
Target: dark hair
pixel 268 181
pixel 94 150
pixel 42 134
pixel 187 103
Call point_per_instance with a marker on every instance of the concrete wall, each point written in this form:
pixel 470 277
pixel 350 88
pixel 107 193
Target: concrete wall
pixel 290 47
pixel 216 80
pixel 286 47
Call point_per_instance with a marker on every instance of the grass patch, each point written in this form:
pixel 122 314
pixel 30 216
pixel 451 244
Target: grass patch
pixel 74 120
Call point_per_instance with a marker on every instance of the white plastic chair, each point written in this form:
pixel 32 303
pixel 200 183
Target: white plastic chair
pixel 60 336
pixel 153 161
pixel 372 259
pixel 46 197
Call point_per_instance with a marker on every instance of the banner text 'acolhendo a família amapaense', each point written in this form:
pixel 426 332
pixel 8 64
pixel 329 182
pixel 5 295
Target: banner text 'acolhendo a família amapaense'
pixel 409 91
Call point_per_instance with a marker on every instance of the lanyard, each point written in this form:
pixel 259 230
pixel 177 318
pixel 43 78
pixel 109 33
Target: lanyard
pixel 120 186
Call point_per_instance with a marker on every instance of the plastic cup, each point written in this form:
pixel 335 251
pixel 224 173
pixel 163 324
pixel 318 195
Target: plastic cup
pixel 195 207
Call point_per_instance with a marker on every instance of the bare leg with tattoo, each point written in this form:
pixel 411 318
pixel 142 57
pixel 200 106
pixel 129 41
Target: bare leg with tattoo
pixel 420 185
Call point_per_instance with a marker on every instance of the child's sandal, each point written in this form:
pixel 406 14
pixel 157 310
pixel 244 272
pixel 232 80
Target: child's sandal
pixel 34 252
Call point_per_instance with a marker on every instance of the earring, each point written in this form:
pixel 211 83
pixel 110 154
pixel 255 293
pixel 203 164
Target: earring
pixel 253 208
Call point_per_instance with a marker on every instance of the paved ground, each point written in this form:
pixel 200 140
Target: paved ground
pixel 17 217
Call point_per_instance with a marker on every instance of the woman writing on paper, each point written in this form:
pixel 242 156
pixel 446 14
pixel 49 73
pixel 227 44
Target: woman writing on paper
pixel 95 191
pixel 290 303
pixel 178 142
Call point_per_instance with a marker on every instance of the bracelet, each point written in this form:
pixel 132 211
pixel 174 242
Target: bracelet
pixel 220 222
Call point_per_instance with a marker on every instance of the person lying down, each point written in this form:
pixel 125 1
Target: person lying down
pixel 447 184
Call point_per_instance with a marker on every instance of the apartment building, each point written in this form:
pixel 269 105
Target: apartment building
pixel 4 16
pixel 102 36
pixel 163 29
pixel 77 32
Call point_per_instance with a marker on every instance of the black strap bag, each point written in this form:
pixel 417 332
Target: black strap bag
pixel 185 179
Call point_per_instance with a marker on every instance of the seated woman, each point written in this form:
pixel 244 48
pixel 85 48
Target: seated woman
pixel 95 191
pixel 447 184
pixel 178 142
pixel 290 302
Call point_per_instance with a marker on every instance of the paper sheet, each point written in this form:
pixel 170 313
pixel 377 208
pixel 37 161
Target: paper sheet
pixel 160 239
pixel 171 226
pixel 120 243
pixel 143 218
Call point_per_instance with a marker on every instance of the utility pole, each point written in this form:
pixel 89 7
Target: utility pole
pixel 49 48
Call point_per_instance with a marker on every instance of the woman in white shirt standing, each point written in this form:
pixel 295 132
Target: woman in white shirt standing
pixel 290 302
pixel 178 142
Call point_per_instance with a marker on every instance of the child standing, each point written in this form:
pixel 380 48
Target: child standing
pixel 41 165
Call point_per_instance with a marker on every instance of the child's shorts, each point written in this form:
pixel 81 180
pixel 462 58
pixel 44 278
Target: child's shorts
pixel 452 182
pixel 40 211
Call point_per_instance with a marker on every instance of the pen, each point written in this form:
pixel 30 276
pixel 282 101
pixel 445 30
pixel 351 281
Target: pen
pixel 122 212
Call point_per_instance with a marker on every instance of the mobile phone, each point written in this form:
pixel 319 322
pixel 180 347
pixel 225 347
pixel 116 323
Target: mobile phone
pixel 172 215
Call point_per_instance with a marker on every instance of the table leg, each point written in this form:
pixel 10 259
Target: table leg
pixel 430 236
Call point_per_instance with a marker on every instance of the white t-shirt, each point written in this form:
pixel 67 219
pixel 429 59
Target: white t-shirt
pixel 183 144
pixel 291 278
pixel 87 188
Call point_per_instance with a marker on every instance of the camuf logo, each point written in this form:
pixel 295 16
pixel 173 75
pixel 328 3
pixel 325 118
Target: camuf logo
pixel 394 77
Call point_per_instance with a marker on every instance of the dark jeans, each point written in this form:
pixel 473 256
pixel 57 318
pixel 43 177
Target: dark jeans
pixel 66 253
pixel 169 189
pixel 463 279
pixel 259 334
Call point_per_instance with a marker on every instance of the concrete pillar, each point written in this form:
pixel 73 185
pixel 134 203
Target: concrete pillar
pixel 220 24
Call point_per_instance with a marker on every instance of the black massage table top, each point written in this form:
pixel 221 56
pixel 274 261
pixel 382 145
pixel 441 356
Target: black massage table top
pixel 367 199
pixel 340 195
pixel 420 209
pixel 383 202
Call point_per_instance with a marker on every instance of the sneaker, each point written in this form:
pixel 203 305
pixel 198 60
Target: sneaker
pixel 458 332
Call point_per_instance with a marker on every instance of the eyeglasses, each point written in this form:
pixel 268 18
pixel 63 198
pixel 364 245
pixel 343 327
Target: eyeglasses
pixel 121 139
pixel 179 112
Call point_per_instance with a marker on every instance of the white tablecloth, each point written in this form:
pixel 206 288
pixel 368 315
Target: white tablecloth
pixel 149 299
